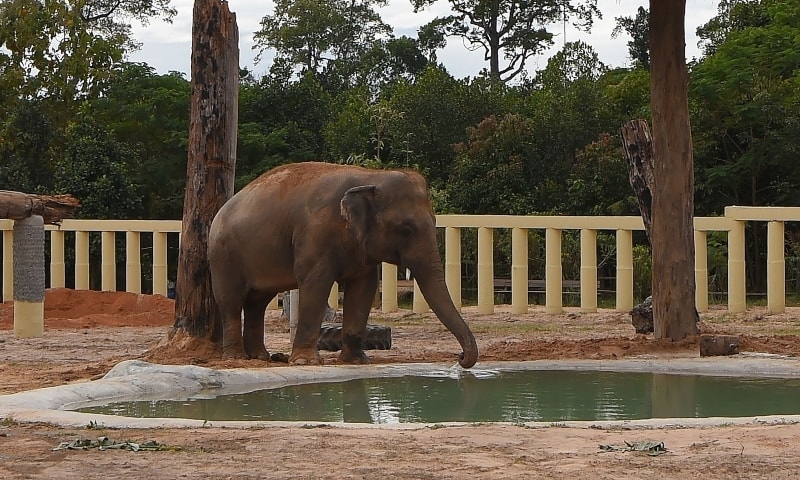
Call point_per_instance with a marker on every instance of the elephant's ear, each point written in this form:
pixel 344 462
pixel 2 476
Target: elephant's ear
pixel 358 210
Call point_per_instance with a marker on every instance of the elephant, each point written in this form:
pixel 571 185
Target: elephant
pixel 307 225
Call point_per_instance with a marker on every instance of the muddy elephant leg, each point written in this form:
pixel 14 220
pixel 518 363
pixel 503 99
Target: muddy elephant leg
pixel 232 346
pixel 358 297
pixel 313 302
pixel 254 308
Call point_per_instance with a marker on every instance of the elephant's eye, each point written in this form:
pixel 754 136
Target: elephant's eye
pixel 405 230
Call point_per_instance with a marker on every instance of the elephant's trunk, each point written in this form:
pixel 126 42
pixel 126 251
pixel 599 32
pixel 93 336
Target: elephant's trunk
pixel 430 277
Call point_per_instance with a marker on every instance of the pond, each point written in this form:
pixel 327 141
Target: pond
pixel 487 396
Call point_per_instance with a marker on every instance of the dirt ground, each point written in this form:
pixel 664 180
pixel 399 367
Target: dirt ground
pixel 86 333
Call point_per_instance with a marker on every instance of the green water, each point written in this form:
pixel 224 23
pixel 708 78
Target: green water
pixel 512 396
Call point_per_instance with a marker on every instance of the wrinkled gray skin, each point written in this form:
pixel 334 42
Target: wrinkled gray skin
pixel 306 225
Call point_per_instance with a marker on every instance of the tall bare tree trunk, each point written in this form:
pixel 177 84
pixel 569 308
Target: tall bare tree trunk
pixel 211 163
pixel 674 311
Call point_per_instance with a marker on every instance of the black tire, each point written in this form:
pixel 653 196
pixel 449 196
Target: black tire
pixel 379 337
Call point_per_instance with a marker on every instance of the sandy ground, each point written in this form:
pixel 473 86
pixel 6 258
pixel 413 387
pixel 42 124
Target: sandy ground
pixel 86 333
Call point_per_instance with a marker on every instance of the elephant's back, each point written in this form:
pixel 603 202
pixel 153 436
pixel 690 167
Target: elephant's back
pixel 294 177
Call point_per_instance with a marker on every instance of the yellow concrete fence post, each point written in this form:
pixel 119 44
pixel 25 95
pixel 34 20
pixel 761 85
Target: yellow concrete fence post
pixel 29 277
pixel 701 270
pixel 519 270
pixel 776 268
pixel 81 260
pixel 624 270
pixel 108 262
pixel 588 270
pixel 333 297
pixel 8 265
pixel 388 288
pixel 160 263
pixel 57 265
pixel 133 263
pixel 418 304
pixel 452 263
pixel 552 271
pixel 736 269
pixel 485 270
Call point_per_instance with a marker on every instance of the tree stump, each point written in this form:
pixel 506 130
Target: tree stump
pixel 638 145
pixel 717 345
pixel 642 316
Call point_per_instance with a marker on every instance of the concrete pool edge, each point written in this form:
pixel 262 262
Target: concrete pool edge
pixel 136 379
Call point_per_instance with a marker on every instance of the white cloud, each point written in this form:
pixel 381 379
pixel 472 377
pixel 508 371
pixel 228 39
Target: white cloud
pixel 167 47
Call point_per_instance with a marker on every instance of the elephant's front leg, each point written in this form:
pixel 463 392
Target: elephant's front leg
pixel 358 297
pixel 313 301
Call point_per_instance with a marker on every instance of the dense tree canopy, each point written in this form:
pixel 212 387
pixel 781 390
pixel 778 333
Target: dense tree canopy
pixel 509 31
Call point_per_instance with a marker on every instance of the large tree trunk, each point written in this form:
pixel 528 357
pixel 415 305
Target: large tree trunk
pixel 674 313
pixel 211 163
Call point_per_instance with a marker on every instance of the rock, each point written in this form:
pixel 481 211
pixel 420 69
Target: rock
pixel 642 316
pixel 716 345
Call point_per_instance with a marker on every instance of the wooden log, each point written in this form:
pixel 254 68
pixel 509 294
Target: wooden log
pixel 717 345
pixel 52 208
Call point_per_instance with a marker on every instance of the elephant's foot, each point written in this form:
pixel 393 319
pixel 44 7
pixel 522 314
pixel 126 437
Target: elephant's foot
pixel 234 354
pixel 258 351
pixel 305 358
pixel 354 356
pixel 233 351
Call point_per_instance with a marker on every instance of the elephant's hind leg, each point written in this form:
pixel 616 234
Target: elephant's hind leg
pixel 254 307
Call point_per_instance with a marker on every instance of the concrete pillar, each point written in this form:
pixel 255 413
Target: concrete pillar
pixel 701 270
pixel 419 305
pixel 776 268
pixel 160 263
pixel 519 270
pixel 388 287
pixel 81 260
pixel 8 265
pixel 485 270
pixel 552 271
pixel 108 262
pixel 57 265
pixel 333 297
pixel 293 311
pixel 133 264
pixel 736 269
pixel 588 270
pixel 452 263
pixel 29 277
pixel 624 270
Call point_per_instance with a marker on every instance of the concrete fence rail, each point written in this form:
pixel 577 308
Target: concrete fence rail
pixel 733 223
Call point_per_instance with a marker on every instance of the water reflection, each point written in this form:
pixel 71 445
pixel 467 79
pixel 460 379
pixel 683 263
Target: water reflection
pixel 519 396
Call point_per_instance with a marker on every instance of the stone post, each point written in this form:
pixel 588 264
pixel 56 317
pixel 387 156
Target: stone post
pixel 29 277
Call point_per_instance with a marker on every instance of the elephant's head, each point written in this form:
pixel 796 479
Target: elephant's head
pixel 393 222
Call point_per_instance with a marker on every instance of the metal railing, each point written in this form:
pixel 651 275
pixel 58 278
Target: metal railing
pixel 733 223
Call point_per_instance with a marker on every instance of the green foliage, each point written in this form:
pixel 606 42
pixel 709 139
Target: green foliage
pixel 496 152
pixel 149 114
pixel 92 170
pixel 745 111
pixel 27 133
pixel 65 50
pixel 322 35
pixel 593 185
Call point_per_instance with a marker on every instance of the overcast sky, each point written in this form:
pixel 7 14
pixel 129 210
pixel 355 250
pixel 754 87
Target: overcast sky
pixel 167 47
